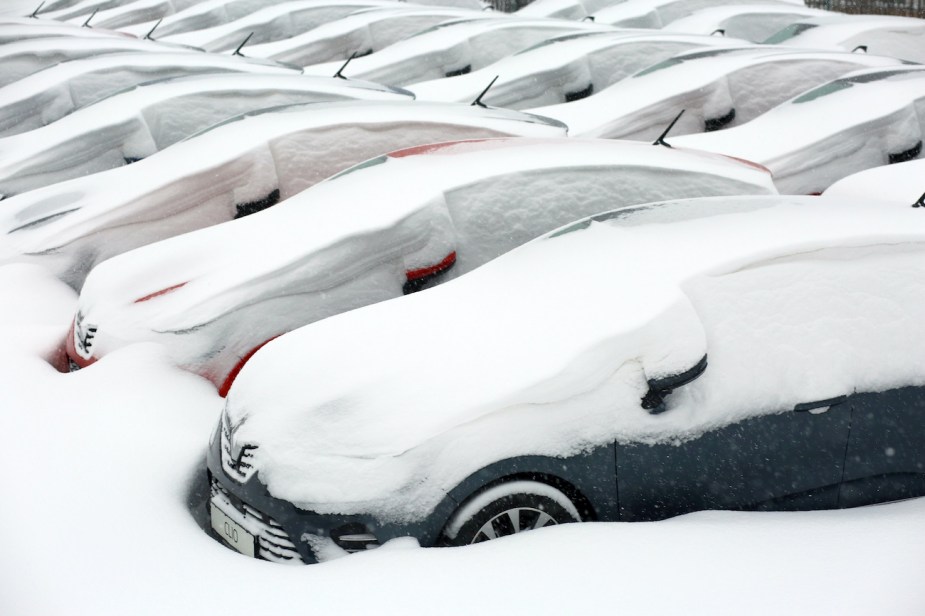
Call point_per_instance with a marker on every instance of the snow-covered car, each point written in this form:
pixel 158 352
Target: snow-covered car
pixel 361 33
pixel 453 48
pixel 134 124
pixel 52 93
pixel 757 353
pixel 902 182
pixel 564 9
pixel 900 37
pixel 660 13
pixel 717 88
pixel 213 297
pixel 133 12
pixel 234 169
pixel 564 68
pixel 866 119
pixel 15 32
pixel 752 22
pixel 272 23
pixel 22 58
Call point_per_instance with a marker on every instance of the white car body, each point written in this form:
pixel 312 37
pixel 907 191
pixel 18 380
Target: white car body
pixel 887 35
pixel 453 48
pixel 134 124
pixel 52 93
pixel 752 22
pixel 862 120
pixel 232 170
pixel 547 350
pixel 564 68
pixel 390 225
pixel 717 88
pixel 902 183
pixel 140 11
pixel 363 32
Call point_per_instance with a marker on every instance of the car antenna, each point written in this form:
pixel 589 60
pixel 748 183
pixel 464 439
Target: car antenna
pixel 718 32
pixel 478 99
pixel 661 138
pixel 920 202
pixel 340 74
pixel 35 13
pixel 92 15
pixel 860 49
pixel 237 52
pixel 147 37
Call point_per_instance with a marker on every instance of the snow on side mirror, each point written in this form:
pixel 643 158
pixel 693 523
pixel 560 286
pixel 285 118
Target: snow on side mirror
pixel 654 400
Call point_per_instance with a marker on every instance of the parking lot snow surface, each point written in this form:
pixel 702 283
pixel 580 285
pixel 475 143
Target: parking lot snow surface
pixel 103 461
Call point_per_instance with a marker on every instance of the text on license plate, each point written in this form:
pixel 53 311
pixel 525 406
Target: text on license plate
pixel 232 532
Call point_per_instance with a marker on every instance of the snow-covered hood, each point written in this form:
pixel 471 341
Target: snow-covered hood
pixel 856 122
pixel 134 124
pixel 546 351
pixel 267 155
pixel 716 88
pixel 902 182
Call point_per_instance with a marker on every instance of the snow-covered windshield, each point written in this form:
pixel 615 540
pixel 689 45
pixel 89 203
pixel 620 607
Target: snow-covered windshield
pixel 847 82
pixel 788 33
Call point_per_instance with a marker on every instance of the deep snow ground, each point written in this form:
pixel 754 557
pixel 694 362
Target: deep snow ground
pixel 101 465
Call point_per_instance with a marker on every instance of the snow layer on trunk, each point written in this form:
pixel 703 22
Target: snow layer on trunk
pixel 229 171
pixel 50 94
pixel 349 241
pixel 859 121
pixel 716 88
pixel 564 68
pixel 131 125
pixel 589 314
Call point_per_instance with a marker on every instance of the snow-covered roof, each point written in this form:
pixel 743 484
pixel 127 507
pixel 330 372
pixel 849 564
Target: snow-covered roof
pixel 21 58
pixel 383 408
pixel 226 171
pixel 716 87
pixel 202 15
pixel 272 23
pixel 334 247
pixel 902 183
pixel 452 48
pixel 888 35
pixel 564 67
pixel 856 122
pixel 144 119
pixel 139 11
pixel 753 22
pixel 564 9
pixel 54 92
pixel 363 32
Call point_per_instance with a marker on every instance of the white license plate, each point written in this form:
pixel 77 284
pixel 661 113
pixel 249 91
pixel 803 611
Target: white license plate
pixel 232 532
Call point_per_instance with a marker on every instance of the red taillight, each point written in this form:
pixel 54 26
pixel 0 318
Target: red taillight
pixel 159 293
pixel 229 380
pixel 424 272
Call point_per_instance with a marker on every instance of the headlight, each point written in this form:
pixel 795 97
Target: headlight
pixel 237 458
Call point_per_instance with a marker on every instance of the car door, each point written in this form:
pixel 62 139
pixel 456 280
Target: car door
pixel 886 450
pixel 787 461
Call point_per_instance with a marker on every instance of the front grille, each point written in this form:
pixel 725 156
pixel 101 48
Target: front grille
pixel 273 541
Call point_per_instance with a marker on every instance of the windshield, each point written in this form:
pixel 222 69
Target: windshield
pixel 788 33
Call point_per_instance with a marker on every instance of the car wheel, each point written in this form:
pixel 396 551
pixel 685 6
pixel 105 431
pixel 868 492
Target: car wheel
pixel 506 509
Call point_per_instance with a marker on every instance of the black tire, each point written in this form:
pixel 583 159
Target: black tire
pixel 506 509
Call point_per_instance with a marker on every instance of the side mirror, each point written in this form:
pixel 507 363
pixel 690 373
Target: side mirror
pixel 654 400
